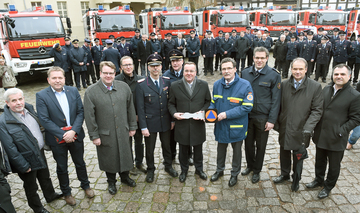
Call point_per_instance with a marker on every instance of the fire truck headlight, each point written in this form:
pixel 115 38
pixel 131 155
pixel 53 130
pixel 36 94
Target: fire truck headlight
pixel 20 64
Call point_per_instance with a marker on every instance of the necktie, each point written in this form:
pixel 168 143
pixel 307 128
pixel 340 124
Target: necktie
pixel 177 74
pixel 108 87
pixel 157 85
pixel 324 46
pixel 98 48
pixel 297 84
pixel 145 44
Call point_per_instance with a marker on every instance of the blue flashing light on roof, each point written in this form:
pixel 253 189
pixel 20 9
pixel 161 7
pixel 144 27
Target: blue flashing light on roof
pixel 127 7
pixel 221 7
pixel 289 7
pixel 186 9
pixel 339 8
pixel 48 7
pixel 164 9
pixel 101 7
pixel 241 8
pixel 271 7
pixel 321 7
pixel 12 7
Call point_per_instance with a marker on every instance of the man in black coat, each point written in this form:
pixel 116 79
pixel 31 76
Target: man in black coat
pixel 154 117
pixel 134 44
pixel 279 53
pixel 341 115
pixel 341 49
pixel 193 49
pixel 69 75
pixel 167 45
pixel 111 54
pixel 23 142
pixel 5 198
pixel 144 49
pixel 96 53
pixel 323 56
pixel 242 46
pixel 131 78
pixel 265 82
pixel 190 95
pixel 226 46
pixel 308 52
pixel 208 51
pixel 78 59
pixel 89 64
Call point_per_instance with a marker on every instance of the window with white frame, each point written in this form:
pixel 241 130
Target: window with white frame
pixel 84 6
pixel 62 9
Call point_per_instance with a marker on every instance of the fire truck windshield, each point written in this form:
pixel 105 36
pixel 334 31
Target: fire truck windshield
pixel 33 27
pixel 170 22
pixel 331 19
pixel 114 23
pixel 280 19
pixel 233 20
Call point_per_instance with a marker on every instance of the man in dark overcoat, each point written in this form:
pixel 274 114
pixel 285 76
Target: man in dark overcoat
pixel 242 46
pixel 110 119
pixel 300 110
pixel 111 54
pixel 341 115
pixel 78 59
pixel 189 95
pixel 144 49
pixel 96 53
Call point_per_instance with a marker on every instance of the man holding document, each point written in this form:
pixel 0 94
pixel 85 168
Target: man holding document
pixel 188 100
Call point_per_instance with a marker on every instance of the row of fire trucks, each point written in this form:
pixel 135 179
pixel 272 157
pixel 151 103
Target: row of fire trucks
pixel 27 36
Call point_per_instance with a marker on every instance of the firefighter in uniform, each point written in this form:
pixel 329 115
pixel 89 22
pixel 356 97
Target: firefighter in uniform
pixel 233 37
pixel 193 49
pixel 279 53
pixel 208 51
pixel 293 32
pixel 111 54
pixel 69 75
pixel 218 53
pixel 152 100
pixel 268 38
pixel 226 46
pixel 134 42
pixel 167 45
pixel 293 49
pixel 265 82
pixel 155 44
pixel 323 52
pixel 341 50
pixel 89 64
pixel 61 57
pixel 112 38
pixel 78 59
pixel 124 48
pixel 301 37
pixel 96 53
pixel 308 51
pixel 250 53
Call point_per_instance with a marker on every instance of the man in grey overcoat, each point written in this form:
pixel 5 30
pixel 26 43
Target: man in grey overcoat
pixel 110 119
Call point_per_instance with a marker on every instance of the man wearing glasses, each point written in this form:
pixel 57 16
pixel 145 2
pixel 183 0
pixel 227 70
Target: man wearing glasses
pixel 265 82
pixel 130 77
pixel 110 119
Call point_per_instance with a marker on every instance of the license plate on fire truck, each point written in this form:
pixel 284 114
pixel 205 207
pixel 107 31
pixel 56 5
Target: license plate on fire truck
pixel 44 62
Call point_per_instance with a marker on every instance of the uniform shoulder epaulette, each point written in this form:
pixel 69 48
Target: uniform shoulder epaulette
pixel 141 80
pixel 275 70
pixel 165 77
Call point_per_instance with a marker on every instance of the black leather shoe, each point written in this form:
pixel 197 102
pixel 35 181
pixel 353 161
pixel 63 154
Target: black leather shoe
pixel 323 193
pixel 255 178
pixel 216 176
pixel 233 181
pixel 182 177
pixel 205 73
pixel 44 211
pixel 150 177
pixel 141 168
pixel 191 162
pixel 55 197
pixel 201 174
pixel 171 172
pixel 112 188
pixel 246 171
pixel 212 73
pixel 128 181
pixel 313 184
pixel 281 178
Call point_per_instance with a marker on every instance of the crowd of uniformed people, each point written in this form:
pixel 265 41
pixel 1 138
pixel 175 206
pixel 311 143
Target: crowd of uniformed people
pixel 167 98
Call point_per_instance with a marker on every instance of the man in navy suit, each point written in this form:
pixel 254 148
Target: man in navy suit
pixel 60 106
pixel 111 54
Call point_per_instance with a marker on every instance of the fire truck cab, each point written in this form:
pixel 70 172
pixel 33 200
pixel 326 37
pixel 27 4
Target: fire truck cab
pixel 313 19
pixel 275 20
pixel 353 28
pixel 166 20
pixel 27 38
pixel 220 18
pixel 118 21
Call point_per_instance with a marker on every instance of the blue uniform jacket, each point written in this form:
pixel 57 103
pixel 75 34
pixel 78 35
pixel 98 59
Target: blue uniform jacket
pixel 208 47
pixel 112 55
pixel 293 50
pixel 97 54
pixel 193 45
pixel 126 50
pixel 308 51
pixel 341 51
pixel 236 100
pixel 61 59
pixel 88 53
pixel 134 43
pixel 156 46
pixel 323 54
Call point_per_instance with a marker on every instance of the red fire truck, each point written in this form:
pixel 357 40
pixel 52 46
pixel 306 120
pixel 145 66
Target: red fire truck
pixel 275 20
pixel 166 20
pixel 353 28
pixel 313 19
pixel 220 18
pixel 100 23
pixel 28 36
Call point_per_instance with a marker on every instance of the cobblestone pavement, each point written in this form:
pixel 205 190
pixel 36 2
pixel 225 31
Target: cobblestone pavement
pixel 167 194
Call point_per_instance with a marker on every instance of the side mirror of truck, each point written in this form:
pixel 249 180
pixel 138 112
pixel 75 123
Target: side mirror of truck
pixel 68 22
pixel 88 20
pixel 141 26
